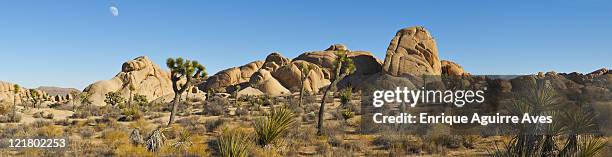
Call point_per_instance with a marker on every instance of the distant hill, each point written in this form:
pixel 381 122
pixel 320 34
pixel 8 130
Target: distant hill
pixel 53 91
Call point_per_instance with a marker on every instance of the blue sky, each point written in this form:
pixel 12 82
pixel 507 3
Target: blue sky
pixel 75 43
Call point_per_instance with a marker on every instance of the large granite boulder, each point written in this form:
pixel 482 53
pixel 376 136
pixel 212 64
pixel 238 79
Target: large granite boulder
pixel 267 84
pixel 223 80
pixel 274 61
pixel 290 75
pixel 412 51
pixel 145 76
pixel 452 68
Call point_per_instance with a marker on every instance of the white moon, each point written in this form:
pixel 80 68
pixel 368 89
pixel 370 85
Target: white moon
pixel 114 10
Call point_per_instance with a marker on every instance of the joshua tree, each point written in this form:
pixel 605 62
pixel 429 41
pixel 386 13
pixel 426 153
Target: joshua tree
pixel 339 74
pixel 85 98
pixel 15 95
pixel 36 97
pixel 114 98
pixel 73 95
pixel 131 88
pixel 236 95
pixel 305 70
pixel 182 69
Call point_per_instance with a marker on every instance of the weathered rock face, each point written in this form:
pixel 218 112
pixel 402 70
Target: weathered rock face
pixel 145 76
pixel 365 62
pixel 275 61
pixel 231 77
pixel 337 47
pixel 452 68
pixel 6 92
pixel 290 75
pixel 412 51
pixel 324 59
pixel 264 81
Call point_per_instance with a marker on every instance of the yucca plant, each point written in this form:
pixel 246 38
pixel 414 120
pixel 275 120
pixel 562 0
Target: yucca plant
pixel 270 128
pixel 156 141
pixel 233 143
pixel 183 141
pixel 590 146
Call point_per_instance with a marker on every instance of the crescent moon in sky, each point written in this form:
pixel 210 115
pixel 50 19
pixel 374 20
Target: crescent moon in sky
pixel 114 10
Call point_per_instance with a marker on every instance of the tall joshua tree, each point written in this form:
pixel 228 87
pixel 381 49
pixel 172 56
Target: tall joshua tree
pixel 339 73
pixel 305 72
pixel 16 91
pixel 182 69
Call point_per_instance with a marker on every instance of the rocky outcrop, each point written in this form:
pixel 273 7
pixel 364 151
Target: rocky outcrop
pixel 337 47
pixel 275 61
pixel 145 76
pixel 412 51
pixel 264 81
pixel 324 59
pixel 231 77
pixel 452 68
pixel 7 93
pixel 290 75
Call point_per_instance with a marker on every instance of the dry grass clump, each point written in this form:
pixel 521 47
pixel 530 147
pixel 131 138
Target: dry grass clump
pixel 51 131
pixel 114 138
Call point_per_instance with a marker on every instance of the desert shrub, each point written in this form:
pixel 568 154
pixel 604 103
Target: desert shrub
pixel 9 118
pixel 85 111
pixel 51 131
pixel 269 128
pixel 346 95
pixel 310 99
pixel 5 108
pixel 37 115
pixel 86 132
pixel 449 141
pixel 233 143
pixel 470 141
pixel 49 116
pixel 212 125
pixel 214 110
pixel 241 111
pixel 130 114
pixel 347 114
pixel 41 123
pixel 62 122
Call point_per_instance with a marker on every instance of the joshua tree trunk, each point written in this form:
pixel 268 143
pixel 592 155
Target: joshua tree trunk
pixel 175 102
pixel 14 108
pixel 301 93
pixel 322 111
